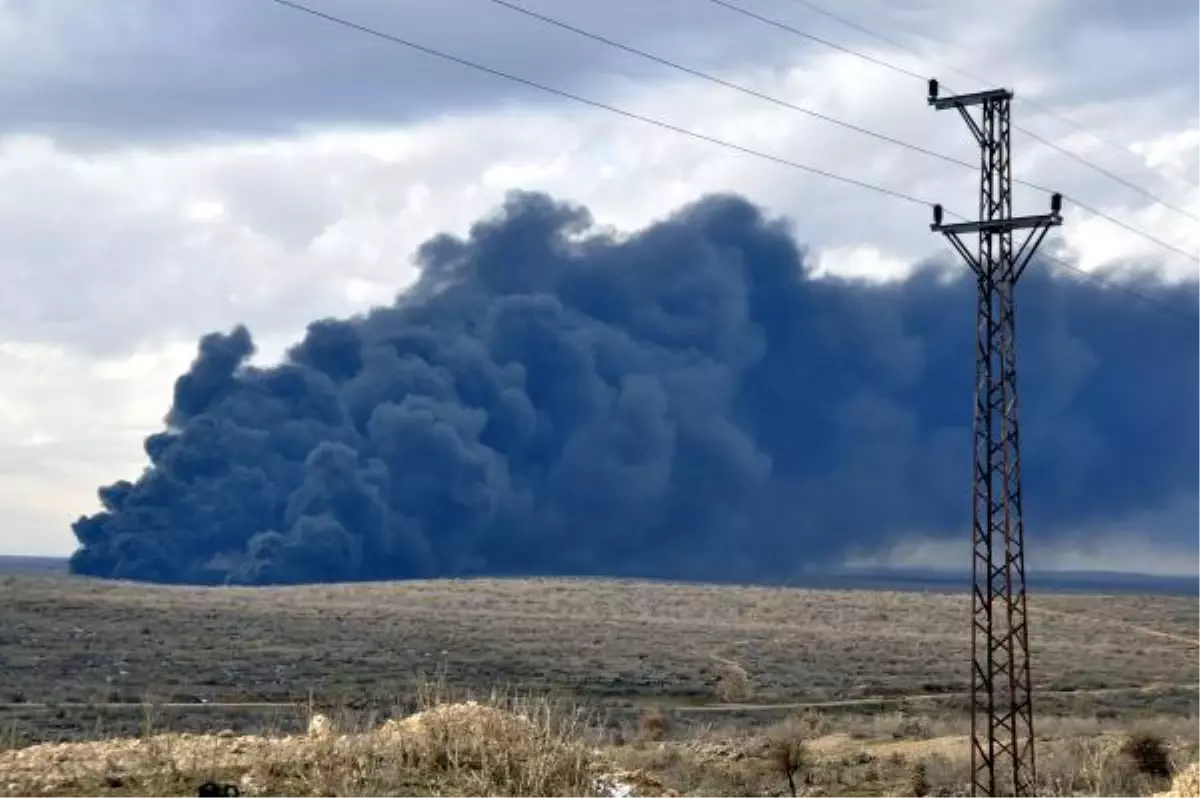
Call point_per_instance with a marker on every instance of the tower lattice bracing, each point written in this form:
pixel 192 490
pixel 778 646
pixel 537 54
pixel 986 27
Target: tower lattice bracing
pixel 1002 742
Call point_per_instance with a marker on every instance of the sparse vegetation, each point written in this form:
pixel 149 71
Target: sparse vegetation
pixel 511 747
pixel 505 745
pixel 621 691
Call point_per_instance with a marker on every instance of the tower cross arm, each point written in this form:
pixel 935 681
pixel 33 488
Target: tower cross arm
pixel 999 225
pixel 964 100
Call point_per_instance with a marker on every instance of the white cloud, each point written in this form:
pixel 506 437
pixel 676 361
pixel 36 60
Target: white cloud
pixel 1173 153
pixel 1123 554
pixel 117 259
pixel 1117 544
pixel 863 262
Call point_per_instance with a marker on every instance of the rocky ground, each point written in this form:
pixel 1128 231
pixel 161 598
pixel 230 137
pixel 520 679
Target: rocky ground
pixel 533 748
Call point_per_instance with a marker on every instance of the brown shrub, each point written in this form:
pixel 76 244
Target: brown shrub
pixel 1148 754
pixel 653 724
pixel 918 780
pixel 787 753
pixel 509 747
pixel 733 684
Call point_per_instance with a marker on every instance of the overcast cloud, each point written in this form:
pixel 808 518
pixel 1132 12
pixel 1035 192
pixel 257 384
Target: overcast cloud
pixel 171 169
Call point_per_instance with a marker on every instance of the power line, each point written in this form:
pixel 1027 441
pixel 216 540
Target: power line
pixel 800 109
pixel 1111 175
pixel 597 104
pixel 1125 150
pixel 1098 282
pixel 811 37
pixel 295 6
pixel 909 73
pixel 881 37
pixel 1130 228
pixel 1107 285
pixel 734 86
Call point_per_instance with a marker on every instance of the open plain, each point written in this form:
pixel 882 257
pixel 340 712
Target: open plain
pixel 651 663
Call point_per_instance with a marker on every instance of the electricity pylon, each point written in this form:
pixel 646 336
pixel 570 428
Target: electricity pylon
pixel 1002 751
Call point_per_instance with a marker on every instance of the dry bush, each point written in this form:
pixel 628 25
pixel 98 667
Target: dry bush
pixel 516 748
pixel 733 684
pixel 1148 754
pixel 1089 767
pixel 918 780
pixel 911 727
pixel 787 752
pixel 653 725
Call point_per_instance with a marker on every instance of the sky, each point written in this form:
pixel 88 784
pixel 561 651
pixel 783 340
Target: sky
pixel 169 170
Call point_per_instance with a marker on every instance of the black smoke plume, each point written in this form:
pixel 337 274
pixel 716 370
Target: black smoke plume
pixel 689 401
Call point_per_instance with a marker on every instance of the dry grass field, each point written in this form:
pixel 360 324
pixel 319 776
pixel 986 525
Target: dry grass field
pixel 688 687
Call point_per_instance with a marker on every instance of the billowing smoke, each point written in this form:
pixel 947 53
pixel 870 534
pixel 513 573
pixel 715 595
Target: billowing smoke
pixel 690 401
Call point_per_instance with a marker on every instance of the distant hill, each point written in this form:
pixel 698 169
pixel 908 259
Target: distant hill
pixel 1051 581
pixel 14 564
pixel 920 579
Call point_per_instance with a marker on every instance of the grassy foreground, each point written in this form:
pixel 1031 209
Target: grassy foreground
pixel 514 746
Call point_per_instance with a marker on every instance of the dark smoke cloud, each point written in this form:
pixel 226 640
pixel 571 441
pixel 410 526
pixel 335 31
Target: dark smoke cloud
pixel 686 402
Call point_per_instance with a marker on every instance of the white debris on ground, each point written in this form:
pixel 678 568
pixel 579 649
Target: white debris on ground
pixel 631 784
pixel 611 786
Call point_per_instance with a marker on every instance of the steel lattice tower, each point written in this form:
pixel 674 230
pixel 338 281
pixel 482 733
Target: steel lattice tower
pixel 1002 750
